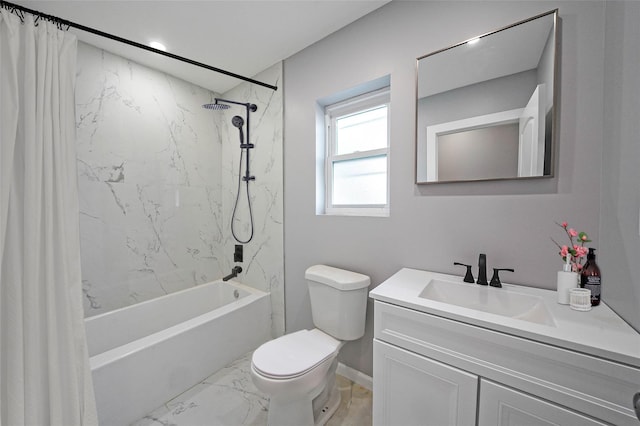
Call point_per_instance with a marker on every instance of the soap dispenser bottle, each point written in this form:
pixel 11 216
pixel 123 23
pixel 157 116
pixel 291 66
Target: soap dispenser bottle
pixel 590 277
pixel 567 280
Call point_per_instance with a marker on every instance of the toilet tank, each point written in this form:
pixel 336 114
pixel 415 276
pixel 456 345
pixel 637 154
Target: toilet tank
pixel 338 301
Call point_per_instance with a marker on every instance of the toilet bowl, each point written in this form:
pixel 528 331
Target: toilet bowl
pixel 294 370
pixel 297 370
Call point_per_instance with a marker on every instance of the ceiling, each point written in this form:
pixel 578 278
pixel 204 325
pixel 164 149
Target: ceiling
pixel 240 36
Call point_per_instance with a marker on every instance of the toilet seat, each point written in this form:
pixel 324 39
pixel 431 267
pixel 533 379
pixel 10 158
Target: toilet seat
pixel 295 354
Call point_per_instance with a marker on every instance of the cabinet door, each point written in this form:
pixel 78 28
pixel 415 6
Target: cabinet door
pixel 503 406
pixel 409 389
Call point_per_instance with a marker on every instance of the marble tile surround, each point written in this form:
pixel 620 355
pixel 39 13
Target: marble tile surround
pixel 263 265
pixel 229 397
pixel 156 178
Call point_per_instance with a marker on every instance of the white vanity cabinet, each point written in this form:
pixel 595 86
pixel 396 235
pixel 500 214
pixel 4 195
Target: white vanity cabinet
pixel 431 370
pixel 409 389
pixel 500 405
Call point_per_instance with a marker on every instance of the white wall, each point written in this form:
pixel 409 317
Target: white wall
pixel 619 251
pixel 263 265
pixel 158 180
pixel 432 226
pixel 149 182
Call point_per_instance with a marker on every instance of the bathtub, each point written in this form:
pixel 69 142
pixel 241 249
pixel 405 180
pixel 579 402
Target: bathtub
pixel 142 356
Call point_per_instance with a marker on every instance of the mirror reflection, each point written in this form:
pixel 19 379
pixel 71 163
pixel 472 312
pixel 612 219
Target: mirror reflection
pixel 485 107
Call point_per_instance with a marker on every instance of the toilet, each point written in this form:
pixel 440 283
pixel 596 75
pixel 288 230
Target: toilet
pixel 297 370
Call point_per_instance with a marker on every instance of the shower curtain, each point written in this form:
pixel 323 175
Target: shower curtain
pixel 44 365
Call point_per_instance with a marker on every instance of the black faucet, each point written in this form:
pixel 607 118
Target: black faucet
pixel 468 277
pixel 482 269
pixel 495 280
pixel 234 273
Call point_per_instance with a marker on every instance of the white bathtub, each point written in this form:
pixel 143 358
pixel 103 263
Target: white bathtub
pixel 144 355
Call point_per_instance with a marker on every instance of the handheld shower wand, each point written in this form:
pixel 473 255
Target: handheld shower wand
pixel 238 122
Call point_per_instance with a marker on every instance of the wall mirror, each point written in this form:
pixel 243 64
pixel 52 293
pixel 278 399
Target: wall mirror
pixel 486 107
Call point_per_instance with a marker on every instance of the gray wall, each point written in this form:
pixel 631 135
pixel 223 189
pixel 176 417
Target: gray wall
pixel 486 153
pixel 497 95
pixel 487 97
pixel 545 68
pixel 432 226
pixel 619 252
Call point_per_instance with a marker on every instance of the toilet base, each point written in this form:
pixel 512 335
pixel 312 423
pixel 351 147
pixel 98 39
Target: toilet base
pixel 313 409
pixel 330 407
pixel 303 411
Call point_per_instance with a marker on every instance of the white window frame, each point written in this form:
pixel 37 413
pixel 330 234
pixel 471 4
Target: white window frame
pixel 334 112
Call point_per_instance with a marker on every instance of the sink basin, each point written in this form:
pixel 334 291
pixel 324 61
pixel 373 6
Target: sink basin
pixel 498 301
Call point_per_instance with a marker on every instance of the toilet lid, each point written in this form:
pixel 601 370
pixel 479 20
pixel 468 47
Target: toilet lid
pixel 294 354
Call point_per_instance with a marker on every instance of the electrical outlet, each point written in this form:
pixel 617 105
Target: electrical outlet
pixel 237 254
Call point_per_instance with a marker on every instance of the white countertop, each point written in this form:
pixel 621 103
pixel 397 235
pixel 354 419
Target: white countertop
pixel 599 332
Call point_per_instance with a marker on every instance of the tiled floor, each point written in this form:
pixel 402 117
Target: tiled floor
pixel 355 405
pixel 229 398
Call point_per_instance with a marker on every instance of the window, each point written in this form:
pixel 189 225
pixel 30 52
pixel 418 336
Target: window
pixel 356 162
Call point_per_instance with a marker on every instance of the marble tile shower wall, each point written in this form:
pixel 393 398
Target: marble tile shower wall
pixel 150 182
pixel 158 179
pixel 263 265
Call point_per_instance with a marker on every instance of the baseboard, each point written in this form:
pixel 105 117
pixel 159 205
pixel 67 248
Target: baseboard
pixel 355 376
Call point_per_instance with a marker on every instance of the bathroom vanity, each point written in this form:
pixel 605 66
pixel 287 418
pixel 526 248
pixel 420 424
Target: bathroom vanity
pixel 446 352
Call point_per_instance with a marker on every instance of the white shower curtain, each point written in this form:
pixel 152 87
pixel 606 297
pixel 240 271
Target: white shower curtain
pixel 44 366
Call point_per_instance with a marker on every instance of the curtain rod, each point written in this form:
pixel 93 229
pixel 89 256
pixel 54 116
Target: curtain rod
pixel 13 7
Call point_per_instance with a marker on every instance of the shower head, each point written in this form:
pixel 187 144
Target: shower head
pixel 221 104
pixel 216 106
pixel 237 121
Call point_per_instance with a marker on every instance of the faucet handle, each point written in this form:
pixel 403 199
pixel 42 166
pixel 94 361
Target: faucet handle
pixel 495 279
pixel 468 277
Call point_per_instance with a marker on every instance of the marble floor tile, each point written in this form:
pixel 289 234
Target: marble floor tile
pixel 355 405
pixel 229 398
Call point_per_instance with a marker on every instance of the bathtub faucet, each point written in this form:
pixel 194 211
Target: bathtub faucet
pixel 234 273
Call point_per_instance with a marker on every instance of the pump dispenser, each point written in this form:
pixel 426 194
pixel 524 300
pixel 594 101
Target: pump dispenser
pixel 590 277
pixel 566 281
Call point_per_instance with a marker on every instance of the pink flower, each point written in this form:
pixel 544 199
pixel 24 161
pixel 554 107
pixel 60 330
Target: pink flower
pixel 575 251
pixel 581 251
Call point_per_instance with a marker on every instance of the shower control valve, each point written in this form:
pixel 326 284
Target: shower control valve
pixel 238 253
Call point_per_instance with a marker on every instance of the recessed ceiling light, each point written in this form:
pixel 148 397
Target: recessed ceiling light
pixel 158 45
pixel 474 40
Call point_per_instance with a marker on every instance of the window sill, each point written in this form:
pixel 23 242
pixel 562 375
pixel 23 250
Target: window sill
pixel 357 211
